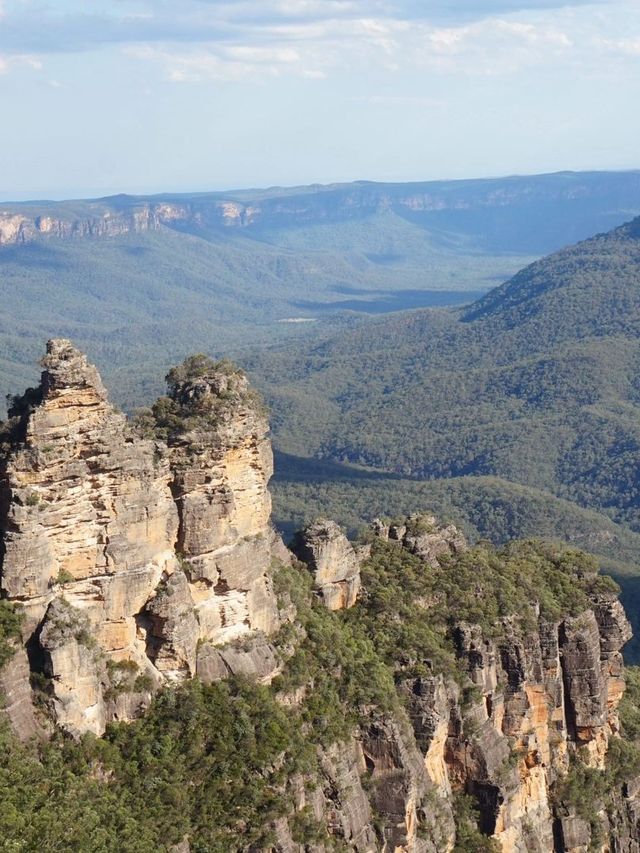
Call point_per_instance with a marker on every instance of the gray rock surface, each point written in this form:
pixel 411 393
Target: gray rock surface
pixel 333 561
pixel 423 536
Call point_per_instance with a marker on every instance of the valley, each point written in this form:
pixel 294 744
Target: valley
pixel 145 281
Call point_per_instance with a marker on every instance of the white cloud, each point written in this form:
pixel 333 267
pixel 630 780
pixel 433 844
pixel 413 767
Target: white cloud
pixel 12 62
pixel 495 46
pixel 230 64
pixel 251 54
pixel 193 40
pixel 316 49
pixel 622 47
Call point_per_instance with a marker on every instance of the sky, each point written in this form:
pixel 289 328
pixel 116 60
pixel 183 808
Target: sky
pixel 186 95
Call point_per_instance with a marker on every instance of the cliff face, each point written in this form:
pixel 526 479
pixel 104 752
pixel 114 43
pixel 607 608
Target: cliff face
pixel 103 220
pixel 525 705
pixel 125 553
pixel 17 228
pixel 333 561
pixel 539 698
pixel 117 215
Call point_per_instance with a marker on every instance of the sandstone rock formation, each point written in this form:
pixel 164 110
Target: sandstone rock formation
pixel 126 548
pixel 17 700
pixel 333 561
pixel 219 485
pixel 100 220
pixel 538 697
pixel 530 699
pixel 423 536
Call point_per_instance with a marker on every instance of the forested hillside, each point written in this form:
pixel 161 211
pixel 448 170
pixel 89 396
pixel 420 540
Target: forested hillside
pixel 535 384
pixel 173 678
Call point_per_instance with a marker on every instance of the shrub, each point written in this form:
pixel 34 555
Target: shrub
pixel 64 576
pixel 11 620
pixel 469 839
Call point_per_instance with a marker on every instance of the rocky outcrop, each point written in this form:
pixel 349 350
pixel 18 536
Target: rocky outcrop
pixel 121 547
pixel 221 464
pixel 171 628
pixel 526 701
pixel 17 700
pixel 423 536
pixel 257 659
pixel 341 800
pixel 416 811
pixel 534 699
pixel 333 561
pixel 75 667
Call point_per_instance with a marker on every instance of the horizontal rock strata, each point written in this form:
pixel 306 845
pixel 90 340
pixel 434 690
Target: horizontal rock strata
pixel 127 548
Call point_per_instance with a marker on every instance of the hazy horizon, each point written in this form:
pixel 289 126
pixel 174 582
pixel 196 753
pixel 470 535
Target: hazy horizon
pixel 160 191
pixel 140 97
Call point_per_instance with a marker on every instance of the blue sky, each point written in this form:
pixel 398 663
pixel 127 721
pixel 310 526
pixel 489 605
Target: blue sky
pixel 149 95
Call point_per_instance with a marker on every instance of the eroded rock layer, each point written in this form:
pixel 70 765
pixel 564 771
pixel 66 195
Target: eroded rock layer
pixel 332 559
pixel 122 548
pixel 527 703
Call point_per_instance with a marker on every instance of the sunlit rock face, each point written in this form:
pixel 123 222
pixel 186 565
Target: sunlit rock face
pixel 150 547
pixel 539 696
pixel 333 561
pixel 221 465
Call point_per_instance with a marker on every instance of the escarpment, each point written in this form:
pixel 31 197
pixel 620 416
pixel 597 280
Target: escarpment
pixel 124 549
pixel 507 672
pixel 413 692
pixel 100 221
pixel 529 693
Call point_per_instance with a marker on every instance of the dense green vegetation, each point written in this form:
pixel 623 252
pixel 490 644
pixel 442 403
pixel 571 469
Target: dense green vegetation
pixel 481 587
pixel 214 762
pixel 150 299
pixel 10 622
pixel 211 762
pixel 535 385
pixel 202 394
pixel 337 657
pixel 542 391
pixel 468 836
pixel 483 507
pixel 208 761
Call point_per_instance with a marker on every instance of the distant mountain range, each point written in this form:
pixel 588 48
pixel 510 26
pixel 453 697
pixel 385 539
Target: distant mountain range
pixel 524 215
pixel 139 282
